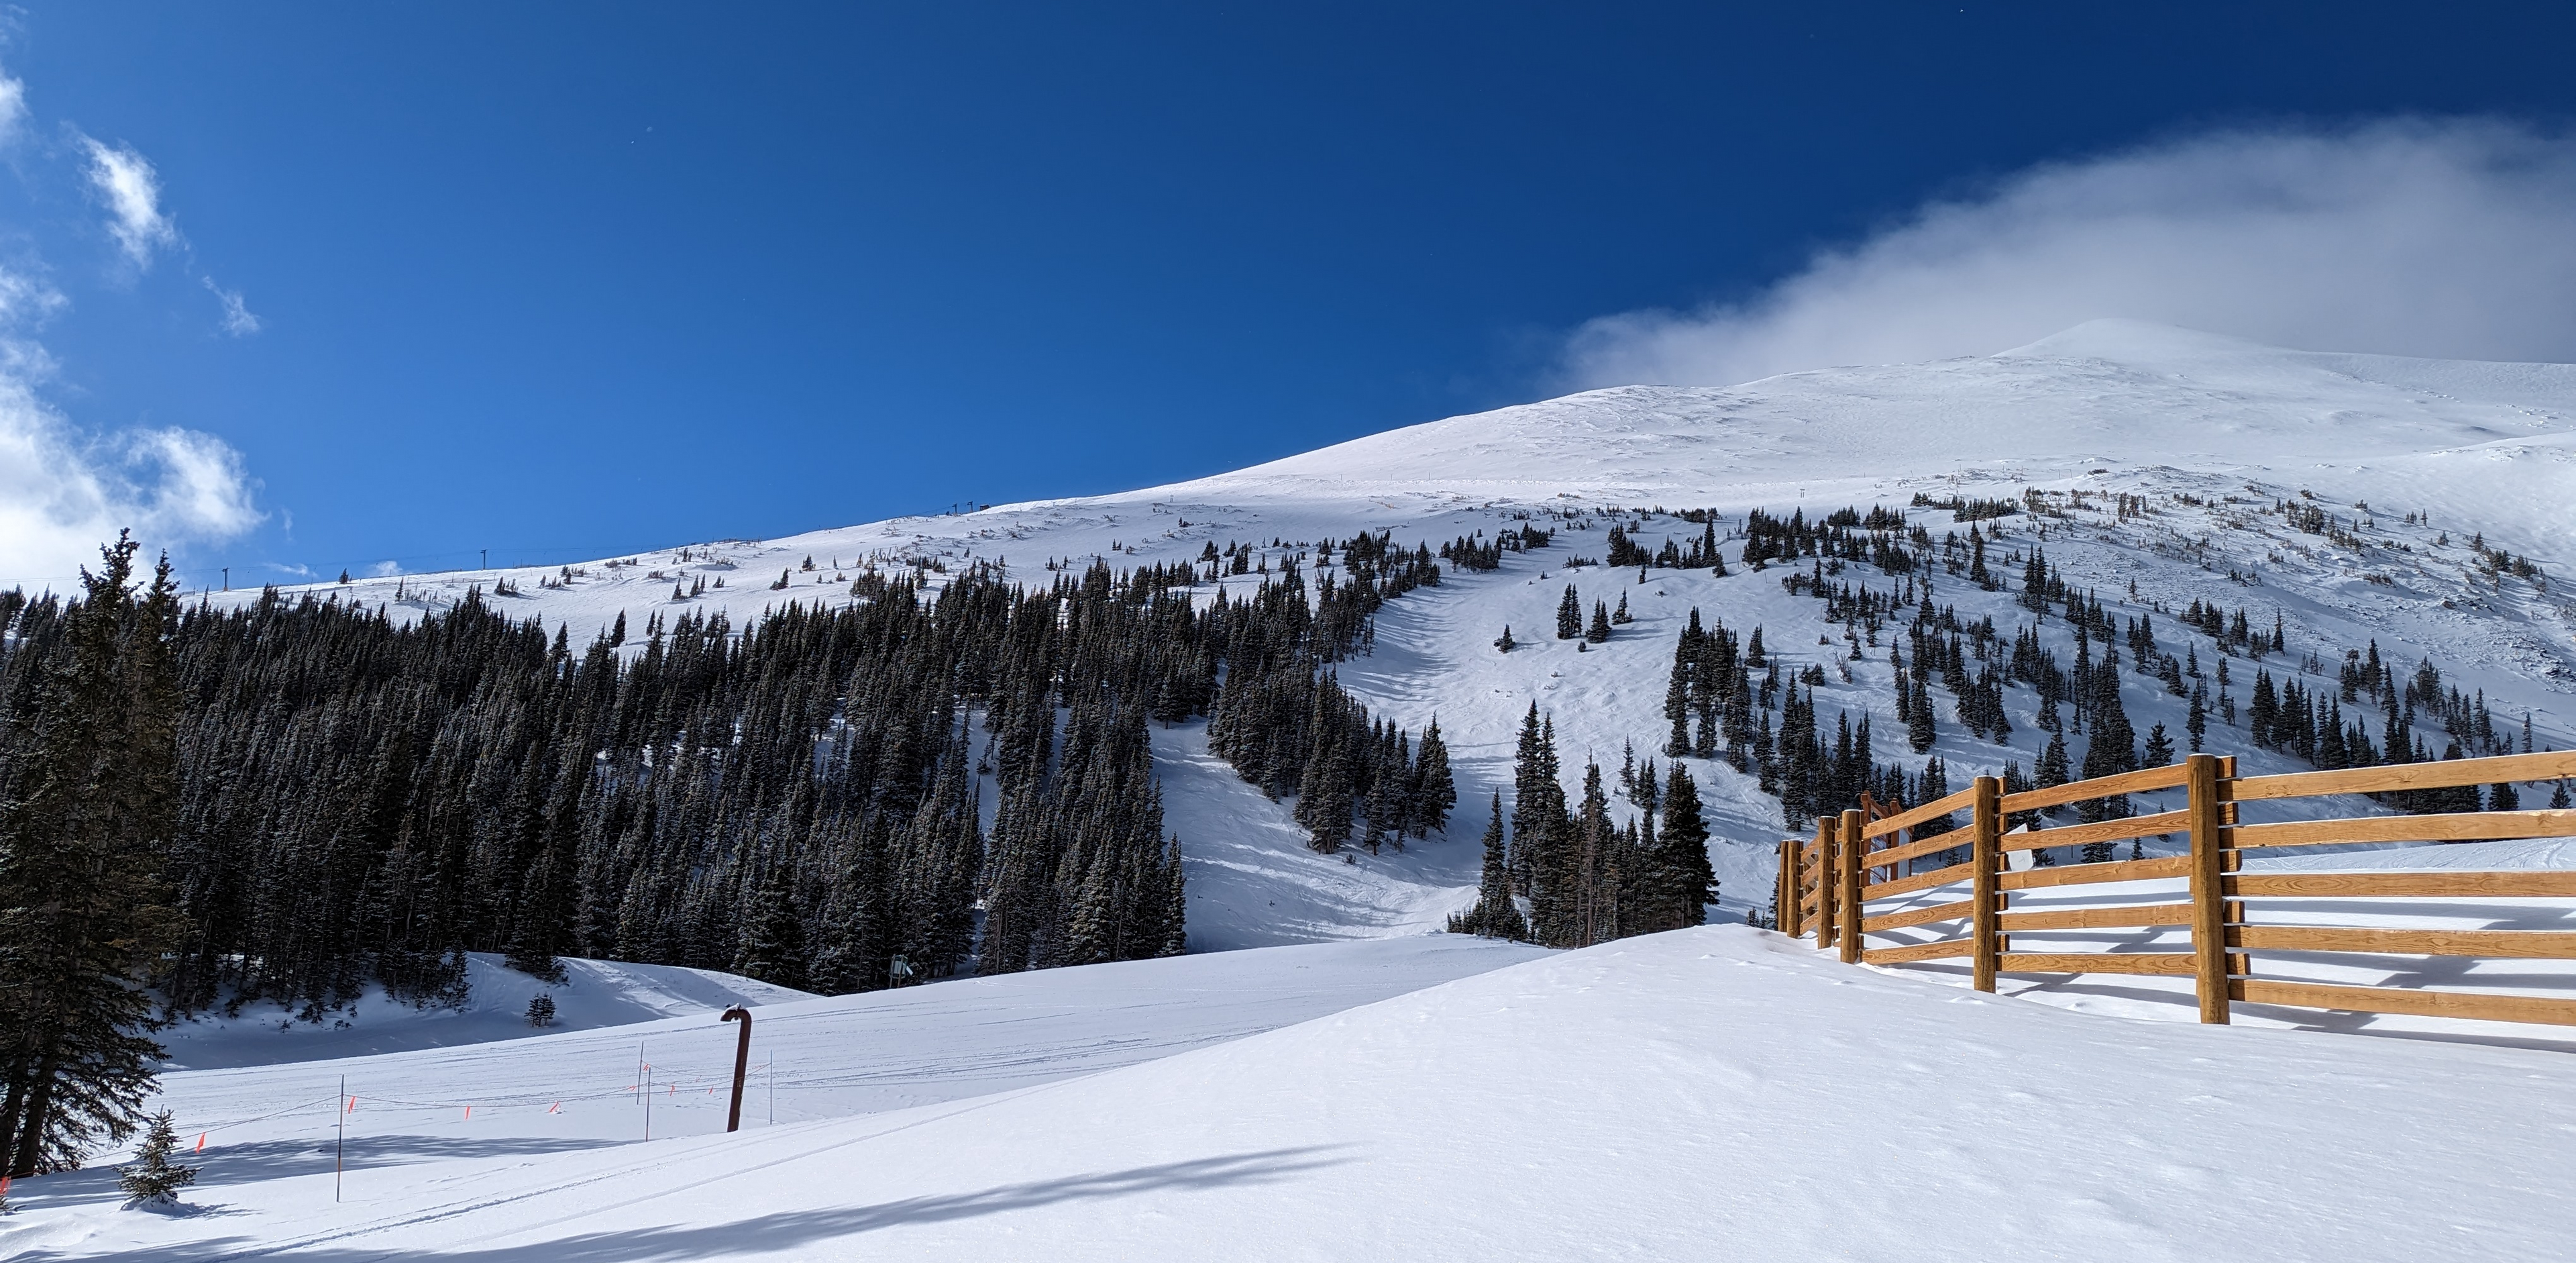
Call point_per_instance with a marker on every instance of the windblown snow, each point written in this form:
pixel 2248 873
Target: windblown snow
pixel 1716 1093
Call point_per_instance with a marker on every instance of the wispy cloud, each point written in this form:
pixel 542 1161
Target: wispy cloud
pixel 238 320
pixel 125 182
pixel 63 492
pixel 2416 237
pixel 64 489
pixel 13 109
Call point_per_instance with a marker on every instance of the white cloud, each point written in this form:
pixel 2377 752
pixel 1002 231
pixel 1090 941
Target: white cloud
pixel 126 183
pixel 13 109
pixel 385 569
pixel 63 493
pixel 2440 238
pixel 238 320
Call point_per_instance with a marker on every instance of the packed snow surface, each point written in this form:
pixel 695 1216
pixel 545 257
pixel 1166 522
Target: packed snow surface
pixel 812 1059
pixel 1720 1093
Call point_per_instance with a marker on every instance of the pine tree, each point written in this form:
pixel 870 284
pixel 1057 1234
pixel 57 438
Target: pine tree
pixel 1584 885
pixel 1495 915
pixel 1921 731
pixel 2502 796
pixel 541 1010
pixel 773 940
pixel 1600 629
pixel 83 915
pixel 1677 706
pixel 1435 788
pixel 1685 841
pixel 2053 769
pixel 153 1182
pixel 1569 615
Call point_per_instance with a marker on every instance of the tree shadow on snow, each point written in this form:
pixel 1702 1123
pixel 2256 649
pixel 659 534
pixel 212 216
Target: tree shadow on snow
pixel 770 1232
pixel 276 1159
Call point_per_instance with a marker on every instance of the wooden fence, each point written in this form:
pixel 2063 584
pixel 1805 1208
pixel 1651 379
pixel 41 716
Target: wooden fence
pixel 1827 883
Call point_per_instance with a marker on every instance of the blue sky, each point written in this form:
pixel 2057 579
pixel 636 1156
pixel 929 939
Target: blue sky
pixel 564 280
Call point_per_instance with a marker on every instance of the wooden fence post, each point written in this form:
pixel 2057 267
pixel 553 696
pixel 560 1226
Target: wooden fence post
pixel 1828 890
pixel 1784 891
pixel 1797 924
pixel 1986 917
pixel 2208 905
pixel 1852 845
pixel 2233 911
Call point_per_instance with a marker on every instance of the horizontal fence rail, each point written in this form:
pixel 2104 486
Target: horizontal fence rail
pixel 1828 882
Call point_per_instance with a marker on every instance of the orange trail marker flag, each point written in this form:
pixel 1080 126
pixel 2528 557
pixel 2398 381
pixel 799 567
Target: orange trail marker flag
pixel 201 1142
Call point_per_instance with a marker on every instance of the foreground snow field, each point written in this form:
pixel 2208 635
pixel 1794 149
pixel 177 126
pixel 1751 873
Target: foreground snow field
pixel 812 1059
pixel 1706 1094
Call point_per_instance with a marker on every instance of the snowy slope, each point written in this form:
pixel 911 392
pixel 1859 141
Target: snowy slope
pixel 594 993
pixel 812 1059
pixel 2108 407
pixel 1705 1094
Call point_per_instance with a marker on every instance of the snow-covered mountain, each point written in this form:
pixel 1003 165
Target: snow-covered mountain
pixel 2414 466
pixel 1713 1092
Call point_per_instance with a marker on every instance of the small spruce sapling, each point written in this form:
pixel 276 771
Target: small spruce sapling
pixel 153 1182
pixel 541 1009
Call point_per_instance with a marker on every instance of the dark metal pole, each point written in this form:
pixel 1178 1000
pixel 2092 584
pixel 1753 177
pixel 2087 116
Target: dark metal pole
pixel 741 1062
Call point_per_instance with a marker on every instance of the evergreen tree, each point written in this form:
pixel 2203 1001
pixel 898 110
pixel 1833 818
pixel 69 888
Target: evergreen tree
pixel 1495 915
pixel 1583 884
pixel 1599 631
pixel 1435 788
pixel 83 909
pixel 1569 615
pixel 1920 729
pixel 153 1182
pixel 773 940
pixel 1685 840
